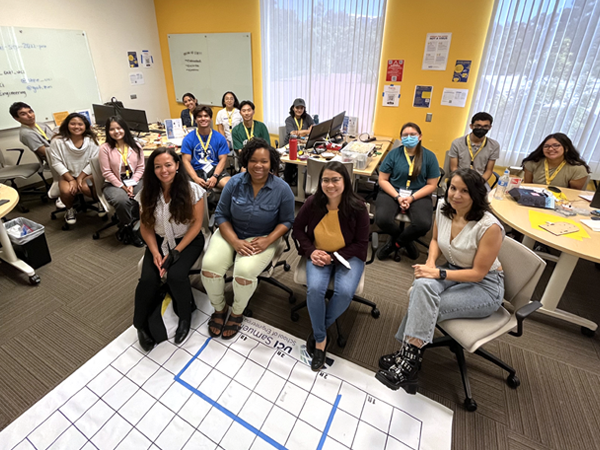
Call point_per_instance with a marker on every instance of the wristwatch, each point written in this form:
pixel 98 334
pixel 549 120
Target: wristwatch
pixel 397 197
pixel 442 274
pixel 216 175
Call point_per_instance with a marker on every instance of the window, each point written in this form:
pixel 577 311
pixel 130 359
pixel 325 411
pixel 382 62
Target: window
pixel 324 51
pixel 540 74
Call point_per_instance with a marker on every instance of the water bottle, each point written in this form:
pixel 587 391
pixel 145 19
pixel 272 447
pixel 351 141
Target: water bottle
pixel 501 186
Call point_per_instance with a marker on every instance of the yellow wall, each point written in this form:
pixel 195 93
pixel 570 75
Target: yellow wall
pixel 406 26
pixel 209 16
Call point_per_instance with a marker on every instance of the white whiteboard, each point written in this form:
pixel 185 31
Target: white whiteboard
pixel 50 70
pixel 208 65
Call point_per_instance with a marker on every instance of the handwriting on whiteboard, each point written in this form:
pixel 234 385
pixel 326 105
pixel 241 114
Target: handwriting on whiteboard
pixel 22 46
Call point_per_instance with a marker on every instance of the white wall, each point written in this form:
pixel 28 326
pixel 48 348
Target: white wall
pixel 113 27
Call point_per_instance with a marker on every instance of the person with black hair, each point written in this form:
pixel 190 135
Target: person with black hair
pixel 71 151
pixel 334 219
pixel 556 162
pixel 476 150
pixel 407 178
pixel 469 285
pixel 187 114
pixel 297 125
pixel 35 136
pixel 172 209
pixel 255 210
pixel 121 159
pixel 249 128
pixel 229 117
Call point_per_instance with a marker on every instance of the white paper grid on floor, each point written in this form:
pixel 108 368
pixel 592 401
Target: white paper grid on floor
pixel 254 392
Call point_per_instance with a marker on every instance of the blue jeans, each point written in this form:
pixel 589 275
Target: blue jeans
pixel 432 301
pixel 322 315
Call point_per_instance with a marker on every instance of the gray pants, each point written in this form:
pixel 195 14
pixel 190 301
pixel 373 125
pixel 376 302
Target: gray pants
pixel 125 207
pixel 432 301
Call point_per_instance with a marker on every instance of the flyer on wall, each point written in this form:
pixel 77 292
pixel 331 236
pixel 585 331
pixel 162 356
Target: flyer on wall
pixel 422 96
pixel 461 71
pixel 437 47
pixel 455 97
pixel 391 95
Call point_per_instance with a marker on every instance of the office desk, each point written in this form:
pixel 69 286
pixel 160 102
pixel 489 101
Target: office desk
pixel 7 254
pixel 517 216
pixel 385 144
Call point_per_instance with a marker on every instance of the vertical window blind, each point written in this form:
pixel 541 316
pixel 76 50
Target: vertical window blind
pixel 324 51
pixel 540 74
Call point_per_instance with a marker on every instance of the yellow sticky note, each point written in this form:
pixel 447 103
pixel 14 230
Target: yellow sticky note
pixel 537 218
pixel 426 94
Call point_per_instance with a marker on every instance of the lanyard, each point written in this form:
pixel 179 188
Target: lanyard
pixel 41 131
pixel 124 153
pixel 471 148
pixel 411 167
pixel 299 127
pixel 204 147
pixel 547 171
pixel 191 118
pixel 230 116
pixel 251 135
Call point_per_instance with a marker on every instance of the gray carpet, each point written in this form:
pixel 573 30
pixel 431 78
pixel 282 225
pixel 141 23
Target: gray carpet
pixel 85 300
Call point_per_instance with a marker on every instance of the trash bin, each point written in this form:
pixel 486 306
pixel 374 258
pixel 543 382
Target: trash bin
pixel 29 241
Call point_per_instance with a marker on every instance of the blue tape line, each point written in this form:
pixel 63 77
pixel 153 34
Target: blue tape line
pixel 192 360
pixel 231 415
pixel 328 425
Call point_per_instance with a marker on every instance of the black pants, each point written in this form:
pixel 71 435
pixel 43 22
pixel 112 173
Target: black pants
pixel 420 214
pixel 147 293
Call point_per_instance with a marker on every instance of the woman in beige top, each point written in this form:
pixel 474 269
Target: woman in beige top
pixel 556 162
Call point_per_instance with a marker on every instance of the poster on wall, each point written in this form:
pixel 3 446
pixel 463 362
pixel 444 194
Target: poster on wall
pixel 391 95
pixel 147 59
pixel 455 97
pixel 461 71
pixel 136 78
pixel 437 47
pixel 422 96
pixel 395 69
pixel 133 60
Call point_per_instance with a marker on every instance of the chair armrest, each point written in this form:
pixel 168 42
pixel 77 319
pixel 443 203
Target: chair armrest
pixel 286 238
pixel 442 177
pixel 522 313
pixel 374 245
pixel 20 150
pixel 211 222
pixel 497 177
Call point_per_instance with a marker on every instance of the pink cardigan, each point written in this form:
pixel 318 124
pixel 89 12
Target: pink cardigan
pixel 110 163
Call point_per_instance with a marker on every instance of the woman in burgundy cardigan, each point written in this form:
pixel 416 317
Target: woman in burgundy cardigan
pixel 332 229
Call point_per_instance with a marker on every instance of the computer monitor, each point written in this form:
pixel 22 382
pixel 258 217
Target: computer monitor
pixel 336 124
pixel 102 113
pixel 318 133
pixel 595 203
pixel 135 118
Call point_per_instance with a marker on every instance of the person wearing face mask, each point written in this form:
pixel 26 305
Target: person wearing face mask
pixel 187 114
pixel 229 116
pixel 407 178
pixel 476 150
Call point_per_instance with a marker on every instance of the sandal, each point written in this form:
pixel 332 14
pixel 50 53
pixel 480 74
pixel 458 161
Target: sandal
pixel 236 327
pixel 216 325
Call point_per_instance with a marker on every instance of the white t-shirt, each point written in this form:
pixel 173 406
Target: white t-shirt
pixel 223 119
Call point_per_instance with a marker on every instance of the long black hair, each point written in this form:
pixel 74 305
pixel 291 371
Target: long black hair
pixel 180 206
pixel 571 154
pixel 293 113
pixel 236 102
pixel 477 191
pixel 418 151
pixel 127 138
pixel 350 202
pixel 63 130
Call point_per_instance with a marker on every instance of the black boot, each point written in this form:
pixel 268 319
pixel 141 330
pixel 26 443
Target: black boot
pixel 385 251
pixel 146 341
pixel 133 237
pixel 405 374
pixel 387 361
pixel 183 330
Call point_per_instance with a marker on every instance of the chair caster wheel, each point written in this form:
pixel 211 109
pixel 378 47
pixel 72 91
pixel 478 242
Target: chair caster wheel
pixel 247 312
pixel 375 313
pixel 286 267
pixel 295 317
pixel 95 236
pixel 513 381
pixel 292 300
pixel 341 341
pixel 587 332
pixel 470 404
pixel 34 280
pixel 65 227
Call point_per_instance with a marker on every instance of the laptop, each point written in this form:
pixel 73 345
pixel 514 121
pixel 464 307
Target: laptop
pixel 318 132
pixel 596 200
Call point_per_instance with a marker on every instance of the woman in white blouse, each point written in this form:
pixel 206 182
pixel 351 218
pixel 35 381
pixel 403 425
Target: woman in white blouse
pixel 470 285
pixel 172 208
pixel 229 116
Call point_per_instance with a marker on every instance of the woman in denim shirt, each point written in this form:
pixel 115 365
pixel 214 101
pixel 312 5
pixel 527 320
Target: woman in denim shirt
pixel 255 210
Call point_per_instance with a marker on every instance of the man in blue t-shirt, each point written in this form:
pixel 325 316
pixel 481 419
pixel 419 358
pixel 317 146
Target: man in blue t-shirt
pixel 204 152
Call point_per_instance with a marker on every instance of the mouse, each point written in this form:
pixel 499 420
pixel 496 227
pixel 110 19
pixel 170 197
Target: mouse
pixel 554 189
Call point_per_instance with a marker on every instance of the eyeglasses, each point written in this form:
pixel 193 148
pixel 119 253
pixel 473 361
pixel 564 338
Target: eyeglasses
pixel 335 180
pixel 482 128
pixel 410 134
pixel 554 146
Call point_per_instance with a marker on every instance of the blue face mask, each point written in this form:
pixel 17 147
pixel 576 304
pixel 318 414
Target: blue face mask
pixel 410 141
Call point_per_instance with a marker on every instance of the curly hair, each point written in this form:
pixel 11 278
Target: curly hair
pixel 477 191
pixel 256 144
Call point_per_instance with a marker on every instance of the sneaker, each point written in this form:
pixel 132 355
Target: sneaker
pixel 385 251
pixel 59 204
pixel 70 216
pixel 101 210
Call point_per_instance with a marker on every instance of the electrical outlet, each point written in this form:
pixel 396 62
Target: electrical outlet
pixel 428 117
pixel 132 96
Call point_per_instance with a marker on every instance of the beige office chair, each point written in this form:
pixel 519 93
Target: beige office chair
pixel 9 173
pixel 522 271
pixel 313 169
pixel 300 278
pixel 98 185
pixel 282 136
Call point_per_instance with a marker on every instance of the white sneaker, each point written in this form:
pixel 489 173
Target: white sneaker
pixel 70 216
pixel 59 204
pixel 101 210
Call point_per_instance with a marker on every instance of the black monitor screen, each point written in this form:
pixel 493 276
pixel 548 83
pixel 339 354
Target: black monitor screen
pixel 102 113
pixel 336 124
pixel 135 118
pixel 596 199
pixel 318 133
